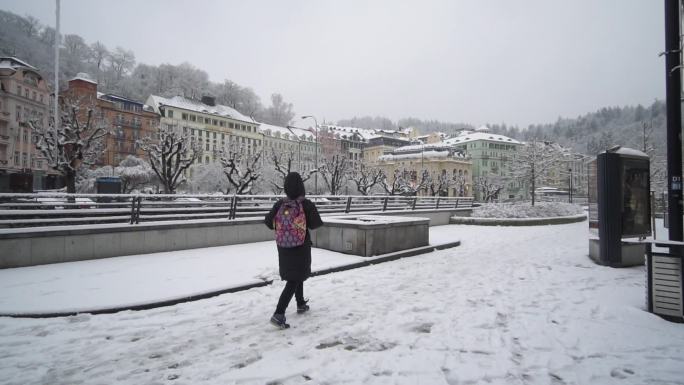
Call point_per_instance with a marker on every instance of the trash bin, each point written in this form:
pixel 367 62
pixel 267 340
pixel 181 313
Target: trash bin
pixel 664 272
pixel 107 185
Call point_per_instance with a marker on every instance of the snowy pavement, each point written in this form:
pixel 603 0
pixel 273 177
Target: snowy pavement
pixel 511 305
pixel 143 279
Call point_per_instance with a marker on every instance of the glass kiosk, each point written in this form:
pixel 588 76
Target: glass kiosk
pixel 619 206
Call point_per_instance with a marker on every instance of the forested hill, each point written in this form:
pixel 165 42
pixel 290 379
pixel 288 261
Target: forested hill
pixel 116 70
pixel 596 131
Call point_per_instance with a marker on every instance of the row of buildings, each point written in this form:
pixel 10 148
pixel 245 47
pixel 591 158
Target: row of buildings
pixel 25 96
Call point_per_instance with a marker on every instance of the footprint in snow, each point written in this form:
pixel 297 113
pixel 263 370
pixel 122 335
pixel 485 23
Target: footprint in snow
pixel 621 373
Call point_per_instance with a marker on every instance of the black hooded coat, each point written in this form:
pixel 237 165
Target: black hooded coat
pixel 295 262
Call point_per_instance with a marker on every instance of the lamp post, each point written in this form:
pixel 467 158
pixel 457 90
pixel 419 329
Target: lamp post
pixel 299 147
pixel 316 153
pixel 570 189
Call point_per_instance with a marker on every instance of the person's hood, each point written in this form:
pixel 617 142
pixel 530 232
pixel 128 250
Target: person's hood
pixel 294 186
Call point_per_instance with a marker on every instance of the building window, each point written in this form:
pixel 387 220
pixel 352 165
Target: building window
pixel 230 125
pixel 16 158
pixel 171 114
pixel 214 135
pixel 18 113
pixel 207 147
pixel 193 118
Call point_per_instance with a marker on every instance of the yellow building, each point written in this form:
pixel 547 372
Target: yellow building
pixel 213 126
pixel 441 162
pixel 301 143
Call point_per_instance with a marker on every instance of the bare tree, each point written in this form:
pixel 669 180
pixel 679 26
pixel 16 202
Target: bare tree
pixel 334 171
pixel 489 187
pixel 283 165
pixel 657 162
pixel 122 61
pixel 170 156
pixel 70 144
pixel 440 185
pixel 366 178
pixel 460 183
pixel 414 182
pixel 279 113
pixel 241 169
pixel 406 182
pixel 393 186
pixel 98 54
pixel 31 26
pixel 534 161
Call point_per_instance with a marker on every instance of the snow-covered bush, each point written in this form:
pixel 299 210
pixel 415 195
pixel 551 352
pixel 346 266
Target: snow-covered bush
pixel 526 210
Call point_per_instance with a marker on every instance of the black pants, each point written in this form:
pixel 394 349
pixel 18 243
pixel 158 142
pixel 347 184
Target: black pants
pixel 295 288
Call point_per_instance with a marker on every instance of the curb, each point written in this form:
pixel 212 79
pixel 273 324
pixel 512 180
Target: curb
pixel 153 305
pixel 516 221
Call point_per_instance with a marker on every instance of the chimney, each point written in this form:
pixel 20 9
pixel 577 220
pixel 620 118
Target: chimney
pixel 209 100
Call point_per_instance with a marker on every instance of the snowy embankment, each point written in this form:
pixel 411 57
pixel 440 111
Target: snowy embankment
pixel 512 305
pixel 526 210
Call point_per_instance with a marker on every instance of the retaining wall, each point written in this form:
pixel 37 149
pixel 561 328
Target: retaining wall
pixel 517 221
pixel 38 246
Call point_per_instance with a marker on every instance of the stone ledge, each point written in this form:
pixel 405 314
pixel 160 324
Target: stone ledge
pixel 517 221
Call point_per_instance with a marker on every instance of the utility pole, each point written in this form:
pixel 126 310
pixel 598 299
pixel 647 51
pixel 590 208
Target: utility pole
pixel 674 118
pixel 57 41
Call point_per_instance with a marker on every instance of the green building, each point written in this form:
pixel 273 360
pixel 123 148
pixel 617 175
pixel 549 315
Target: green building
pixel 492 156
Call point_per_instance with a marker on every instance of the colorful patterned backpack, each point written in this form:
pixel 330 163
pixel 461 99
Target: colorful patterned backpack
pixel 290 224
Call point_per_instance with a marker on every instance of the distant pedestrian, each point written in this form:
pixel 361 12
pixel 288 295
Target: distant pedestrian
pixel 291 218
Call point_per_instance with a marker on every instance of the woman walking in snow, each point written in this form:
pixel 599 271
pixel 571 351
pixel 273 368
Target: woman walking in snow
pixel 291 218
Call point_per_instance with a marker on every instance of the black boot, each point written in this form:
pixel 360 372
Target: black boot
pixel 279 321
pixel 302 307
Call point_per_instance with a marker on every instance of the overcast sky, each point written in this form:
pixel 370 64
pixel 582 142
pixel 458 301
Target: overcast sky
pixel 518 62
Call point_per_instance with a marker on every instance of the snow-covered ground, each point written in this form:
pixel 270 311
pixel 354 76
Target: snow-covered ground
pixel 512 305
pixel 142 279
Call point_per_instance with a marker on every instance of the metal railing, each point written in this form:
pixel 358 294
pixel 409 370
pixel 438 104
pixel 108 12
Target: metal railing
pixel 61 209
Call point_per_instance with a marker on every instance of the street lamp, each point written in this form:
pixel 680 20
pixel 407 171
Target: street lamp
pixel 299 146
pixel 570 189
pixel 316 153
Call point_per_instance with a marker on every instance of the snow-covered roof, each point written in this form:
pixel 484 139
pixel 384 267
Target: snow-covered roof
pixel 197 106
pixel 421 147
pixel 470 136
pixel 482 129
pixel 83 76
pixel 627 151
pixel 14 63
pixel 422 155
pixel 285 132
pixel 362 132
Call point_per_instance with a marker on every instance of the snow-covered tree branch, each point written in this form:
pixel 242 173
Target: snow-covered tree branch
pixel 334 171
pixel 534 161
pixel 241 169
pixel 170 156
pixel 72 143
pixel 489 187
pixel 283 163
pixel 366 178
